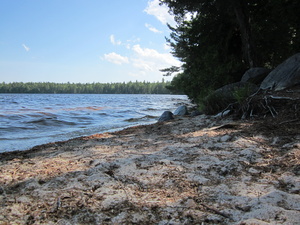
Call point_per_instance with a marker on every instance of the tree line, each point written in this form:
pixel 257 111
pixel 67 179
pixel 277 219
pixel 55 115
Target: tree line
pixel 87 88
pixel 217 41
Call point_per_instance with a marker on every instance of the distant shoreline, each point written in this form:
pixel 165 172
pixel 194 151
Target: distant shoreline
pixel 88 88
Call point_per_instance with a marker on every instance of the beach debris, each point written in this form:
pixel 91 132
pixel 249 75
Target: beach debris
pixel 195 170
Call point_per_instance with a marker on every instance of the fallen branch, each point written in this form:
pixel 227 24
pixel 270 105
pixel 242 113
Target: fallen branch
pixel 216 211
pixel 282 98
pixel 225 126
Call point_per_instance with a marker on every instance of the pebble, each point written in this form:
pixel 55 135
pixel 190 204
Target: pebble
pixel 225 138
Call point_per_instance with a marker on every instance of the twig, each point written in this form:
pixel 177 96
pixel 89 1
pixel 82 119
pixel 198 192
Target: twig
pixel 290 91
pixel 283 98
pixel 224 126
pixel 229 106
pixel 251 113
pixel 288 121
pixel 216 211
pixel 271 109
pixel 251 96
pixel 58 203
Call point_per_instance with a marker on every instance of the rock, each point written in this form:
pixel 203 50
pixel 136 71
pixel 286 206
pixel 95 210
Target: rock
pixel 253 171
pixel 195 113
pixel 221 114
pixel 231 93
pixel 225 138
pixel 255 75
pixel 190 203
pixel 229 89
pixel 167 115
pixel 181 111
pixel 286 75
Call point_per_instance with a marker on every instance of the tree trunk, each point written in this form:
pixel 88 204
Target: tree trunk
pixel 242 16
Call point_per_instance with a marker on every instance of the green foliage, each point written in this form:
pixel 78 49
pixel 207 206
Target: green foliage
pixel 217 101
pixel 223 38
pixel 214 103
pixel 87 88
pixel 242 93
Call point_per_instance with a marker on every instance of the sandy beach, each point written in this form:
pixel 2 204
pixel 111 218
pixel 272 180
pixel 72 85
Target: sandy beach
pixel 192 170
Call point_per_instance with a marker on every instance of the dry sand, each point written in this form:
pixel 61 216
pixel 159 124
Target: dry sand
pixel 199 170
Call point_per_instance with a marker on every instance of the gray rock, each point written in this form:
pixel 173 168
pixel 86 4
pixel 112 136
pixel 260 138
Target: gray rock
pixel 195 113
pixel 255 75
pixel 231 93
pixel 166 116
pixel 225 138
pixel 181 111
pixel 221 114
pixel 286 75
pixel 229 89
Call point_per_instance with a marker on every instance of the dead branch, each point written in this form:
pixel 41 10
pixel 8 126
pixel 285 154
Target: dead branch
pixel 282 98
pixel 215 211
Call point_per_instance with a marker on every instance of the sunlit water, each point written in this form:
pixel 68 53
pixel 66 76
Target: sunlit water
pixel 27 120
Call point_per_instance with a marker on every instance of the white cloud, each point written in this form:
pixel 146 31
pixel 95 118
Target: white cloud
pixel 144 63
pixel 165 58
pixel 26 47
pixel 151 60
pixel 113 40
pixel 153 29
pixel 167 46
pixel 160 12
pixel 116 58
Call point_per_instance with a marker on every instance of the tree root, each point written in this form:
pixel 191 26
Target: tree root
pixel 262 104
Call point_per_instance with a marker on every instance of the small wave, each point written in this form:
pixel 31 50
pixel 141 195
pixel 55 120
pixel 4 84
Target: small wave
pixel 46 114
pixel 90 108
pixel 81 118
pixel 144 118
pixel 15 129
pixel 151 109
pixel 25 109
pixel 103 114
pixel 51 122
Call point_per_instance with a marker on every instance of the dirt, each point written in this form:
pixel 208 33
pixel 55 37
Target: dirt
pixel 192 170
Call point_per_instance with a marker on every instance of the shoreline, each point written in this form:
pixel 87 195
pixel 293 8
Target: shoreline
pixel 29 120
pixel 38 146
pixel 186 171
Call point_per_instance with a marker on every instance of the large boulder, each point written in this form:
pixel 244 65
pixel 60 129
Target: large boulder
pixel 166 116
pixel 286 75
pixel 255 75
pixel 181 111
pixel 224 96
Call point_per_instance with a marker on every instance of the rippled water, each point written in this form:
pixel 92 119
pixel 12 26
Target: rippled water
pixel 27 120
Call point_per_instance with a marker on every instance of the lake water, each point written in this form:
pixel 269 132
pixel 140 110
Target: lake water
pixel 27 120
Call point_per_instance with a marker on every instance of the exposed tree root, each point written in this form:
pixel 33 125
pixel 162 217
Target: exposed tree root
pixel 262 104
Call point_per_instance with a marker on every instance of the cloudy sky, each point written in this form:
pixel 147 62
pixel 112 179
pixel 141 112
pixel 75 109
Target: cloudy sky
pixel 83 41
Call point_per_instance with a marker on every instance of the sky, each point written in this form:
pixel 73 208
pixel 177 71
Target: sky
pixel 84 41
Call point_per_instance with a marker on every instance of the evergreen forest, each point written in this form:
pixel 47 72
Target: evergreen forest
pixel 87 88
pixel 217 41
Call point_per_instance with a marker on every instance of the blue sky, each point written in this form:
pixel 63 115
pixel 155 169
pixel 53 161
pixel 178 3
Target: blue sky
pixel 83 41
